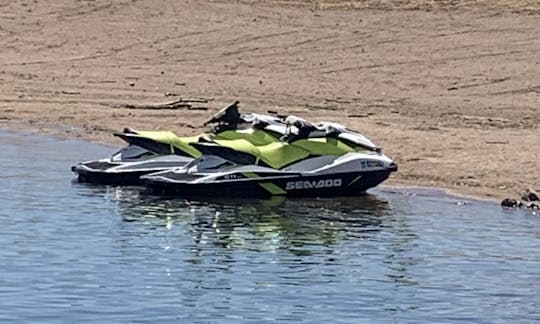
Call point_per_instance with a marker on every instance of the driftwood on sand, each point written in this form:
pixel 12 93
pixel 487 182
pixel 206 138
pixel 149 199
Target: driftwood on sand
pixel 175 104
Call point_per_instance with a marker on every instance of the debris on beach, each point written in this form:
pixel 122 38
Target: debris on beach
pixel 530 195
pixel 189 104
pixel 529 200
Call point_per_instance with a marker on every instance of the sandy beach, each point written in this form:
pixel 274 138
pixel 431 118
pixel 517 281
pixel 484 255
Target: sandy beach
pixel 449 89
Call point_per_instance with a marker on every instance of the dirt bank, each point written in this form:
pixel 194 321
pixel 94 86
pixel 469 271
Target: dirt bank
pixel 452 93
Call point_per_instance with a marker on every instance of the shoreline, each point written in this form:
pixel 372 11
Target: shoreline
pixel 390 184
pixel 451 96
pixel 385 186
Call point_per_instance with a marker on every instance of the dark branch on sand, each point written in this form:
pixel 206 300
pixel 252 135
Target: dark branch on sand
pixel 176 104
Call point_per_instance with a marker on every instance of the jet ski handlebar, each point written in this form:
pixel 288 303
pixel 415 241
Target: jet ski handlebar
pixel 297 128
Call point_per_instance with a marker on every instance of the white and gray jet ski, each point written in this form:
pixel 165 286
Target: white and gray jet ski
pixel 321 160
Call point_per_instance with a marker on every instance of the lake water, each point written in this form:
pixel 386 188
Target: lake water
pixel 79 253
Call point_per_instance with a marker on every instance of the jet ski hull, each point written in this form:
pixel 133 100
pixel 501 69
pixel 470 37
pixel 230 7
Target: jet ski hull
pixel 109 178
pixel 327 185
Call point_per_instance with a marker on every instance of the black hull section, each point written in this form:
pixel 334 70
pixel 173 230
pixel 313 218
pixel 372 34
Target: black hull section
pixel 107 178
pixel 330 185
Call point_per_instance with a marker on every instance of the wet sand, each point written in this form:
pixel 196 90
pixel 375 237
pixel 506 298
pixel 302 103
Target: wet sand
pixel 451 92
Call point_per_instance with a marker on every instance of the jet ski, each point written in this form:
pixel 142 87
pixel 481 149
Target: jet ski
pixel 153 151
pixel 311 160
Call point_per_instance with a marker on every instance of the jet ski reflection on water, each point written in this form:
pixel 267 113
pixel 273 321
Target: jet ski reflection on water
pixel 153 151
pixel 321 160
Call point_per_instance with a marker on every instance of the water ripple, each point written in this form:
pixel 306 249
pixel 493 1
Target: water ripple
pixel 74 252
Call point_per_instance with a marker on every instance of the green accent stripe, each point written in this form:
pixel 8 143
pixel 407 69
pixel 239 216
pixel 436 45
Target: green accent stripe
pixel 272 188
pixel 269 186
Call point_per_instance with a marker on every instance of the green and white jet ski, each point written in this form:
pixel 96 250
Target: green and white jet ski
pixel 153 151
pixel 321 160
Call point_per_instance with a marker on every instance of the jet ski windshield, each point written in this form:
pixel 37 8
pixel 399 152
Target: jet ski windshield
pixel 208 163
pixel 226 119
